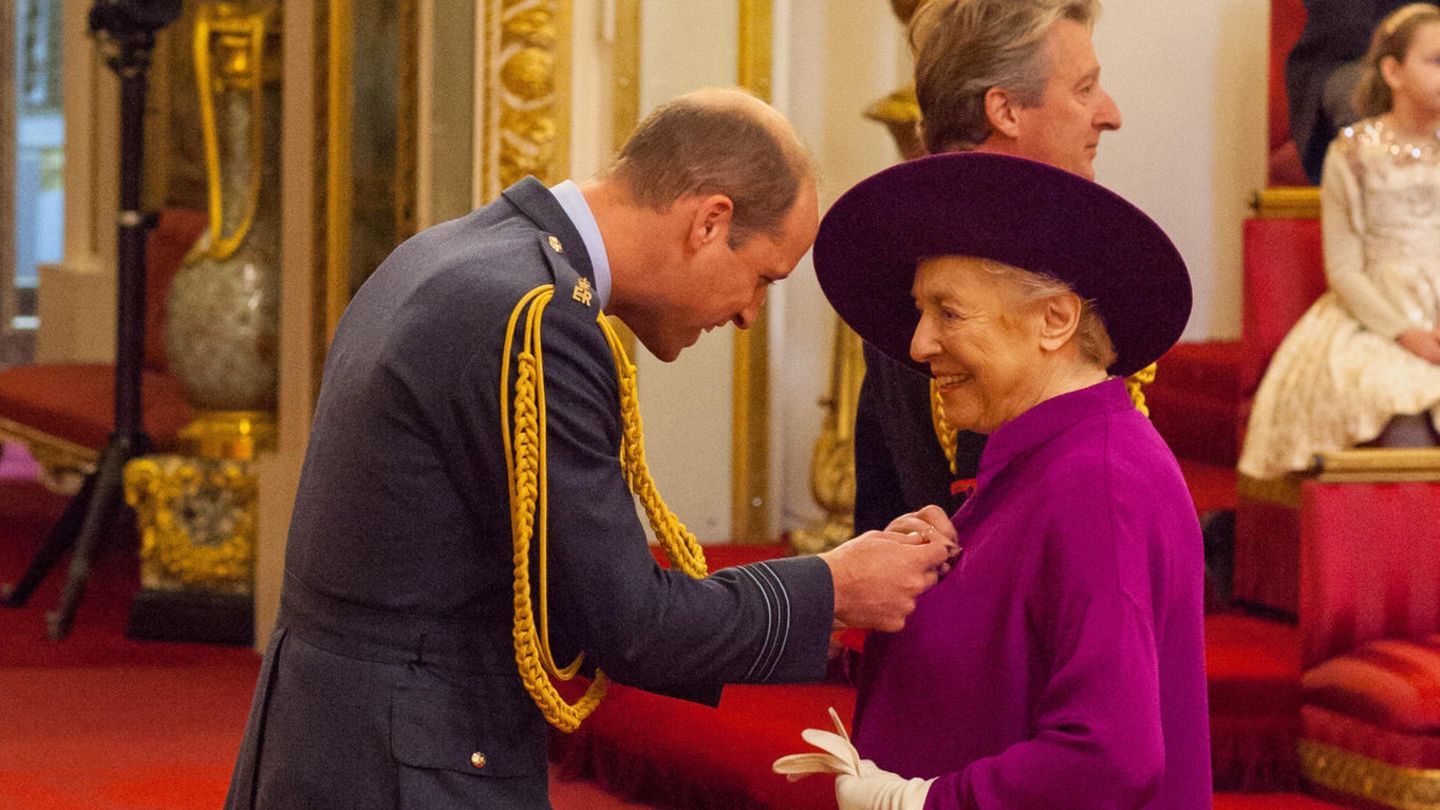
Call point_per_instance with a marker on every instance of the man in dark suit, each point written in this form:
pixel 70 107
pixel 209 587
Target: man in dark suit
pixel 1015 77
pixel 1323 68
pixel 391 680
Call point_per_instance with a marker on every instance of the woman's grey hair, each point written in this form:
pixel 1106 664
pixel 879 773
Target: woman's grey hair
pixel 1091 337
pixel 963 48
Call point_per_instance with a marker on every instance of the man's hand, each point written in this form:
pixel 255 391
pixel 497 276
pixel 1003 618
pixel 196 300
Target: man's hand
pixel 1422 344
pixel 930 523
pixel 878 576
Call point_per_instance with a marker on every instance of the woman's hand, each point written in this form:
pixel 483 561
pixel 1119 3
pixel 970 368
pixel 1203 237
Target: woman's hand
pixel 1422 344
pixel 859 783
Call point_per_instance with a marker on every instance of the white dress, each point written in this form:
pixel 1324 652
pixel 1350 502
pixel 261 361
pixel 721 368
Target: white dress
pixel 1339 376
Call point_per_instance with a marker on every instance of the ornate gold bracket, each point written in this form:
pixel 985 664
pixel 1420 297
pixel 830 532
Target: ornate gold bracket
pixel 197 520
pixel 832 464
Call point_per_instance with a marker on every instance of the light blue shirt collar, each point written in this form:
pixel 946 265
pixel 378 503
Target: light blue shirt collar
pixel 569 196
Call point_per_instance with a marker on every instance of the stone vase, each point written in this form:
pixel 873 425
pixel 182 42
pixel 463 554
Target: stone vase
pixel 222 314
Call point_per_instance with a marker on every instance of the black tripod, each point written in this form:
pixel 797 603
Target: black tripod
pixel 127 29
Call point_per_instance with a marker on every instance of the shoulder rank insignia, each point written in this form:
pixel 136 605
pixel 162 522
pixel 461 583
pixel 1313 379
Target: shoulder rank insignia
pixel 583 291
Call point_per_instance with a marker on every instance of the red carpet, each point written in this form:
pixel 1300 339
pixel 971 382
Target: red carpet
pixel 101 722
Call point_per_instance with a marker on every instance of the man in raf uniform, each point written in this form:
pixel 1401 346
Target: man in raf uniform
pixel 464 476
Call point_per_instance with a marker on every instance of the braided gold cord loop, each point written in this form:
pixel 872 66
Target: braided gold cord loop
pixel 943 432
pixel 529 505
pixel 1135 384
pixel 680 545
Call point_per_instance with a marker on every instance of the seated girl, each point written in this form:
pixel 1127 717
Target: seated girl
pixel 1362 366
pixel 1061 662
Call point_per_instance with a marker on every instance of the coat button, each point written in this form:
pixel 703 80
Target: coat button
pixel 477 759
pixel 556 246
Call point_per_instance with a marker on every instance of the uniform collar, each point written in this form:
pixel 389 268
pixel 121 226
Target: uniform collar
pixel 537 202
pixel 573 201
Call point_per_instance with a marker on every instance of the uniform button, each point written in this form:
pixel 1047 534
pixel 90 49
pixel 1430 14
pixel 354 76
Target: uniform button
pixel 556 246
pixel 477 759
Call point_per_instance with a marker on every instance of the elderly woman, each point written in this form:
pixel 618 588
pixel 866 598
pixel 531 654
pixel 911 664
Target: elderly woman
pixel 1061 662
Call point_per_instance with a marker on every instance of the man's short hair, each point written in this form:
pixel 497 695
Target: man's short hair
pixel 693 145
pixel 963 48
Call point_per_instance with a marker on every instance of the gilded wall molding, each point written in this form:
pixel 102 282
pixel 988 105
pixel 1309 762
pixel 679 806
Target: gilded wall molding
pixel 523 70
pixel 750 423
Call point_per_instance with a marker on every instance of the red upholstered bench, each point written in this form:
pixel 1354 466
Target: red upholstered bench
pixel 1370 608
pixel 64 412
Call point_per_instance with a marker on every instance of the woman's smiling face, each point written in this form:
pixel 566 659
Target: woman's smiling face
pixel 982 344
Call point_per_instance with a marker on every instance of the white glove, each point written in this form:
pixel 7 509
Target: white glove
pixel 859 783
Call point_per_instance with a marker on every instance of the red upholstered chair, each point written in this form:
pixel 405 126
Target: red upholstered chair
pixel 1200 400
pixel 1287 20
pixel 1202 395
pixel 1369 614
pixel 64 411
pixel 1284 274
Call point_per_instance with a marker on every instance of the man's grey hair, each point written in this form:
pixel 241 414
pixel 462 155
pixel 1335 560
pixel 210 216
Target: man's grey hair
pixel 963 48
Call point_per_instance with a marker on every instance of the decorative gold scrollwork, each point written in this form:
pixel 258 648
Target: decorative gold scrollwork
pixel 524 79
pixel 197 521
pixel 1370 779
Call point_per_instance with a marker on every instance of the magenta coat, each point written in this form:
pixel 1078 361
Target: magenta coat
pixel 1062 662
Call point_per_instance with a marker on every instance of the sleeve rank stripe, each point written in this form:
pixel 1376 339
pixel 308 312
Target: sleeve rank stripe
pixel 784 631
pixel 770 624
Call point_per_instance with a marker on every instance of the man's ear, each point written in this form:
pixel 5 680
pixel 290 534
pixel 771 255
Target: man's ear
pixel 1002 111
pixel 1060 317
pixel 711 220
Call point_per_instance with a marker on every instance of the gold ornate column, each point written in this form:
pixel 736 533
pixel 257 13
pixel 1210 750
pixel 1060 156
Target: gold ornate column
pixel 750 423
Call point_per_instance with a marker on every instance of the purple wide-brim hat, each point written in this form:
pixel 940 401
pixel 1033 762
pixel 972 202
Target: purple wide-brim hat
pixel 1019 212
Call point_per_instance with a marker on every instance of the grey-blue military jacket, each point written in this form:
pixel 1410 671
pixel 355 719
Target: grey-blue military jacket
pixel 390 681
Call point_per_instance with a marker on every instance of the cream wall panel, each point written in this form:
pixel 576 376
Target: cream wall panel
pixel 591 56
pixel 686 405
pixel 278 473
pixel 1190 81
pixel 77 297
pixel 839 56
